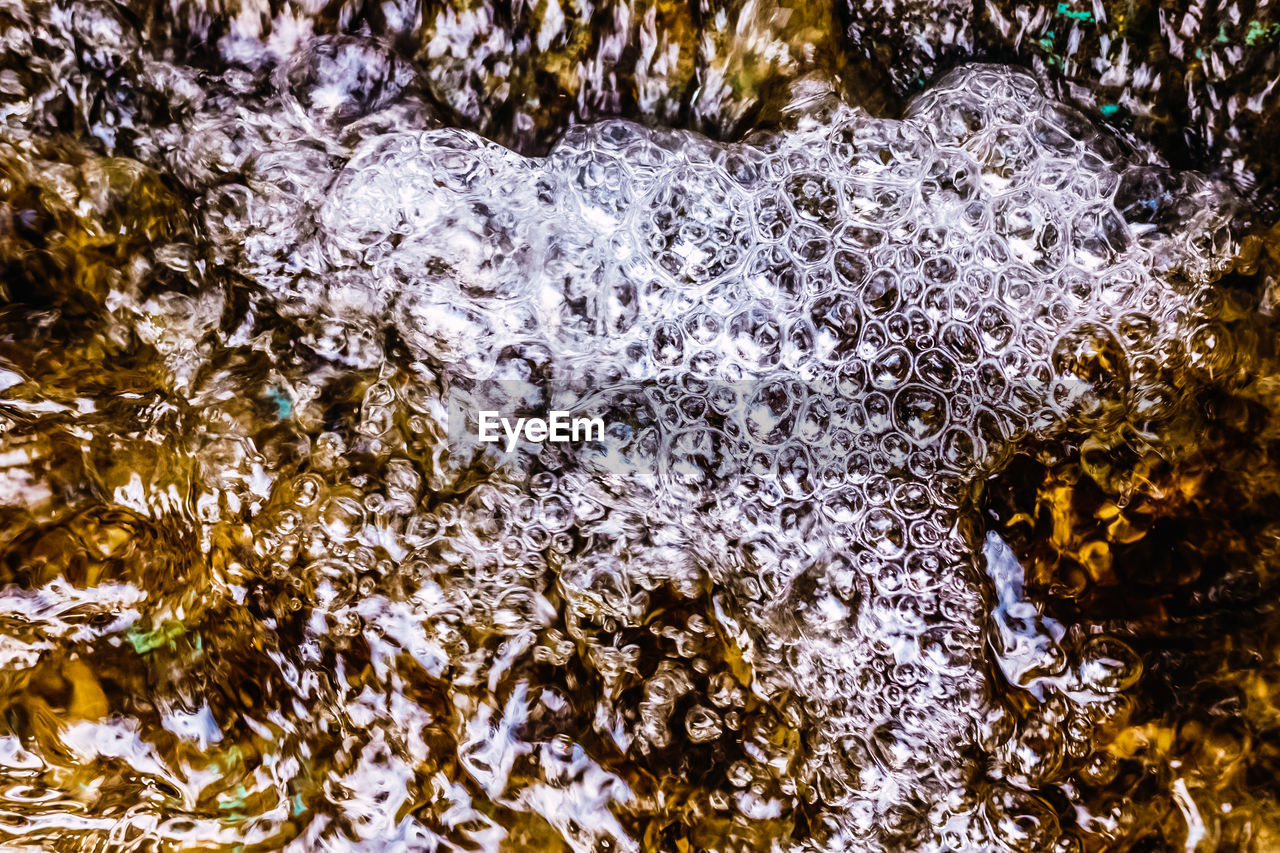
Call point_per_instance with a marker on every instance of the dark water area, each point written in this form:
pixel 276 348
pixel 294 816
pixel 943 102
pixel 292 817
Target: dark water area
pixel 934 505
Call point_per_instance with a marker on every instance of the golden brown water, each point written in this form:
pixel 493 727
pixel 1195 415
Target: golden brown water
pixel 256 596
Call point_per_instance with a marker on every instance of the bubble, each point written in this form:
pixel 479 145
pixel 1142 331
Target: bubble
pixel 920 412
pixel 1108 666
pixel 1092 373
pixel 339 79
pixel 702 724
pixel 1020 822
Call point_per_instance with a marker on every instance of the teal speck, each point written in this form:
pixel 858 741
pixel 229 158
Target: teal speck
pixel 237 802
pixel 284 406
pixel 1110 110
pixel 1064 9
pixel 144 641
pixel 1259 31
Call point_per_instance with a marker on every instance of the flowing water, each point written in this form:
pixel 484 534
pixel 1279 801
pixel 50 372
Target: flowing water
pixel 934 507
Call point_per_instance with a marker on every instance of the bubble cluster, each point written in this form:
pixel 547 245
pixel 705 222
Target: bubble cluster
pixel 808 345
